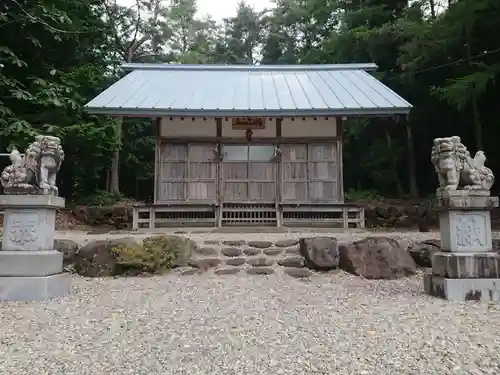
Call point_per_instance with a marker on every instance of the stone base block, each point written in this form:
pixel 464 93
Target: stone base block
pixel 34 288
pixel 465 231
pixel 466 203
pixel 29 221
pixel 466 265
pixel 30 263
pixel 33 201
pixel 461 290
pixel 462 193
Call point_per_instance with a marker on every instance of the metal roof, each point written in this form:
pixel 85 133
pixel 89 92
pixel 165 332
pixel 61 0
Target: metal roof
pixel 238 90
pixel 240 67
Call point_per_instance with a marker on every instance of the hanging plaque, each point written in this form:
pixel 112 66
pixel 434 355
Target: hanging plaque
pixel 245 123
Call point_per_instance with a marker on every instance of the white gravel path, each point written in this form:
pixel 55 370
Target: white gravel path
pixel 238 325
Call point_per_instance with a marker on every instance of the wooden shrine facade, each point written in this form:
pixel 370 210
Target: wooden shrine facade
pixel 248 145
pixel 248 171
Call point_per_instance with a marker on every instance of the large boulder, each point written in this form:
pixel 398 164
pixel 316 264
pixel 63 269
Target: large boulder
pixel 97 258
pixel 422 252
pixel 68 248
pixel 125 256
pixel 181 249
pixel 377 258
pixel 320 253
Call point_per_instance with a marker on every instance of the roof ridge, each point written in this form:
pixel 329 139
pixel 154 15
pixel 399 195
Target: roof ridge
pixel 220 67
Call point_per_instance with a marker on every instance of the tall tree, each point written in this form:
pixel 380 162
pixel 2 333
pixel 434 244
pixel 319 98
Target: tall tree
pixel 54 56
pixel 243 35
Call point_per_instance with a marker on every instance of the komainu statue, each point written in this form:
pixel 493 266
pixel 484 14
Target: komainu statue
pixel 456 169
pixel 36 171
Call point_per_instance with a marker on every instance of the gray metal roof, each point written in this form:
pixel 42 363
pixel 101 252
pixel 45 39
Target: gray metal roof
pixel 238 90
pixel 240 67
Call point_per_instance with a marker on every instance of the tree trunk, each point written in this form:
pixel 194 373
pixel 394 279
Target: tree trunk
pixel 108 180
pixel 432 6
pixel 412 170
pixel 394 165
pixel 115 164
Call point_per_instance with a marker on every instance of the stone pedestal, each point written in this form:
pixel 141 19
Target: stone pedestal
pixel 467 268
pixel 30 268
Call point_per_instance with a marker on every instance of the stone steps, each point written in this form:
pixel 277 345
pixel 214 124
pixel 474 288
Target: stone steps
pixel 252 257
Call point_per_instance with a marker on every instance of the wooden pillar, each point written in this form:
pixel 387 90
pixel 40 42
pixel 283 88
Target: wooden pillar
pixel 340 133
pixel 218 213
pixel 279 184
pixel 135 218
pixel 157 126
pixel 115 162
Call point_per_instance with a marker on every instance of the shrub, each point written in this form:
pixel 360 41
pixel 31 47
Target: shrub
pixel 156 255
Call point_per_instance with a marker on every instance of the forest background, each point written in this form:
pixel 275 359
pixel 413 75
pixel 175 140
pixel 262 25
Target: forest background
pixel 443 56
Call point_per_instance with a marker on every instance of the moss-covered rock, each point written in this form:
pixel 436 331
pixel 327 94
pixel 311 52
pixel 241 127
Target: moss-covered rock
pixel 127 257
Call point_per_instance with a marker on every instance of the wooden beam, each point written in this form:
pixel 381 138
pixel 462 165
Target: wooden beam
pixel 278 127
pixel 270 140
pixel 340 145
pixel 218 122
pixel 157 126
pixel 340 127
pixel 218 183
pixel 279 182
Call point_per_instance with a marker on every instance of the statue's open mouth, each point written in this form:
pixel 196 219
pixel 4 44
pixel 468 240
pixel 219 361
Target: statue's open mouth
pixel 446 148
pixel 49 150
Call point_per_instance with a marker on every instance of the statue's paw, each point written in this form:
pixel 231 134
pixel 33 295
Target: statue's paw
pixel 450 187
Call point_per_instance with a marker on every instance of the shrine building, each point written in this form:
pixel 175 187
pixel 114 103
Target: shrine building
pixel 248 145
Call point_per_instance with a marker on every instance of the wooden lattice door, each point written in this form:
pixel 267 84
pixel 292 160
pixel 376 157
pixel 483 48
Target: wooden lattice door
pixel 309 173
pixel 323 170
pixel 188 172
pixel 248 173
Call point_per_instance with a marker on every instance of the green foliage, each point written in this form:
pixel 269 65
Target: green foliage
pixel 102 198
pixel 459 92
pixel 156 255
pixel 54 58
pixel 56 55
pixel 363 195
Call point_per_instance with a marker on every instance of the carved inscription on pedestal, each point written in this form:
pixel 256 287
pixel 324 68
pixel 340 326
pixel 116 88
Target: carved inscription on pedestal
pixel 470 230
pixel 22 232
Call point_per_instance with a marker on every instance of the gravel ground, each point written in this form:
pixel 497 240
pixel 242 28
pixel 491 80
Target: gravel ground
pixel 238 325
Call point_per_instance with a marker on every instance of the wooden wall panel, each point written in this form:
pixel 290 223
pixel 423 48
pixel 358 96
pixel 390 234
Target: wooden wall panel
pixel 310 173
pixel 294 172
pixel 234 180
pixel 262 181
pixel 202 172
pixel 173 172
pixel 248 173
pixel 323 172
pixel 307 173
pixel 187 172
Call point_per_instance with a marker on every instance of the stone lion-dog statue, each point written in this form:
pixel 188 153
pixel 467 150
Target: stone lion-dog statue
pixel 36 171
pixel 456 169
